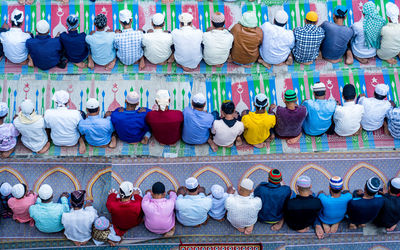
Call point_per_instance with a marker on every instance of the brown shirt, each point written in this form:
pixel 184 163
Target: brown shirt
pixel 246 42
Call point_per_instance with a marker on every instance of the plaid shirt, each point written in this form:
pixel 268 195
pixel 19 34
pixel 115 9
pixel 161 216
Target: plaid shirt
pixel 393 117
pixel 129 46
pixel 308 39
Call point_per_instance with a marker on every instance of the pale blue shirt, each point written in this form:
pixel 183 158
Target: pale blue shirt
pixel 218 210
pixel 47 216
pixel 196 126
pixel 102 47
pixel 97 130
pixel 319 116
pixel 192 210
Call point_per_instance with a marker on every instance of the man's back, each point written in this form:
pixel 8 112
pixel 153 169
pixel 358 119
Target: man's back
pixel 257 126
pixel 192 210
pixel 157 46
pixel 196 126
pixel 242 211
pixel 74 44
pixel 374 112
pixel 277 43
pixel 301 212
pixel 246 42
pixel 390 43
pixel 78 223
pixel 63 123
pixel 358 46
pixel 187 41
pixel 333 208
pixel 393 118
pixel 337 37
pixel 97 130
pixel 273 197
pixel 361 211
pixel 101 45
pixel 217 45
pixel 347 118
pixel 14 44
pixel 129 46
pixel 44 51
pixel 307 42
pixel 319 116
pixel 389 215
pixel 130 125
pixel 289 122
pixel 166 126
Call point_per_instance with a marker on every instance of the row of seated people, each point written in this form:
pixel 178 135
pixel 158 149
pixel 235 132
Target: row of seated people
pixel 195 126
pixel 270 203
pixel 244 44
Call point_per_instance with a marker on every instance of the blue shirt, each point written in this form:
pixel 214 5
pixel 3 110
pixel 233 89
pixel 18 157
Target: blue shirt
pixel 319 116
pixel 97 130
pixel 44 51
pixel 129 46
pixel 192 210
pixel 101 45
pixel 218 210
pixel 196 126
pixel 337 38
pixel 307 42
pixel 362 211
pixel 75 47
pixel 333 209
pixel 47 216
pixel 130 125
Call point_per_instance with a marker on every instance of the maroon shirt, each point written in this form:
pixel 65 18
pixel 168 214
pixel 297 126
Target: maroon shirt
pixel 166 126
pixel 289 122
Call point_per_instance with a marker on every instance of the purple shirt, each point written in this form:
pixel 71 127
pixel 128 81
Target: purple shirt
pixel 8 136
pixel 289 122
pixel 159 216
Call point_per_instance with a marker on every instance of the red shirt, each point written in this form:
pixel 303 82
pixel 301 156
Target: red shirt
pixel 124 215
pixel 166 126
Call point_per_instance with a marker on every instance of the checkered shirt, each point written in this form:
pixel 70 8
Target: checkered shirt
pixel 308 40
pixel 129 46
pixel 393 117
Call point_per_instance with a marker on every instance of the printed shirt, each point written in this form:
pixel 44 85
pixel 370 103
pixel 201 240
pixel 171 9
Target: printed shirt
pixel 157 46
pixel 277 43
pixel 20 207
pixel 129 46
pixel 196 126
pixel 374 112
pixel 242 211
pixel 8 136
pixel 307 42
pixel 159 213
pixel 217 46
pixel 97 130
pixel 192 210
pixel 47 216
pixel 101 45
pixel 78 223
pixel 44 51
pixel 393 117
pixel 187 41
pixel 14 44
pixel 319 116
pixel 75 48
pixel 347 118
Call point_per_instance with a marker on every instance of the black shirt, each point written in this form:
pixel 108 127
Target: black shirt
pixel 361 211
pixel 301 212
pixel 389 215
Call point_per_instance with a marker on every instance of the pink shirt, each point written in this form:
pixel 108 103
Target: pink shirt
pixel 159 214
pixel 20 207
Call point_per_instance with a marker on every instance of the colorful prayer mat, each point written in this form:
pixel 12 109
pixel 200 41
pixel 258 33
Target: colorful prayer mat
pixel 222 246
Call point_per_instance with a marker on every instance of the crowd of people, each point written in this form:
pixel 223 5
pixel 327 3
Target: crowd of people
pixel 244 44
pixel 195 126
pixel 269 203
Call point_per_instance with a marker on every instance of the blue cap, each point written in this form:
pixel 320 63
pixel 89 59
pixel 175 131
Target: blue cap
pixel 340 11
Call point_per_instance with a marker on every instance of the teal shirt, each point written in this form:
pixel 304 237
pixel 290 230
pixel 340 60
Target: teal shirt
pixel 47 216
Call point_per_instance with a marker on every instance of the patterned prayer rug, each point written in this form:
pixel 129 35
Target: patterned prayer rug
pixel 222 246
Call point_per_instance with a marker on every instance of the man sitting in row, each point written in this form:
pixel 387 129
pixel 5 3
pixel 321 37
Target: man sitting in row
pixel 390 43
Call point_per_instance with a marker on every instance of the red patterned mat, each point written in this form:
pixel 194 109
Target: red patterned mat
pixel 221 246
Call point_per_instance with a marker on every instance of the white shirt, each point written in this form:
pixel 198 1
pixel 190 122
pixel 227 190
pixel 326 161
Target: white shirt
pixel 347 118
pixel 157 46
pixel 217 46
pixel 14 45
pixel 187 41
pixel 242 210
pixel 277 43
pixel 224 135
pixel 358 42
pixel 63 123
pixel 78 223
pixel 33 135
pixel 374 112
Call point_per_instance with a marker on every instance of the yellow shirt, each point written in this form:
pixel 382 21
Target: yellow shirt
pixel 257 126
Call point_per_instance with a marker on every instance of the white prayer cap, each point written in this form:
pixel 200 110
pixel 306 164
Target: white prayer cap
pixel 382 89
pixel 132 97
pixel 45 192
pixel 18 190
pixel 395 183
pixel 17 16
pixel 162 98
pixel 185 18
pixel 5 189
pixel 42 27
pixel 392 11
pixel 158 19
pixel 319 86
pixel 126 189
pixel 247 184
pixel 27 107
pixel 61 97
pixel 191 183
pixel 281 17
pixel 125 15
pixel 92 103
pixel 217 191
pixel 3 109
pixel 199 98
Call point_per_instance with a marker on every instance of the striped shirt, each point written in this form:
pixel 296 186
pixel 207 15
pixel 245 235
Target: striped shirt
pixel 307 42
pixel 393 117
pixel 129 46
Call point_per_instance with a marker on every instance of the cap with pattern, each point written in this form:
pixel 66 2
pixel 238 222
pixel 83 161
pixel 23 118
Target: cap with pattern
pixel 217 191
pixel 382 89
pixel 318 86
pixel 336 183
pixel 101 223
pixel 373 184
pixel 126 189
pixel 247 184
pixel 303 181
pixel 217 17
pixel 261 100
pixel 290 95
pixel 274 176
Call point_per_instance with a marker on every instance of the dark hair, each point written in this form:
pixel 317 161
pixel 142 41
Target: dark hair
pixel 158 188
pixel 392 189
pixel 320 93
pixel 302 189
pixel 93 110
pixel 218 25
pixel 25 188
pixel 336 191
pixel 228 107
pixel 310 22
pixel 16 24
pixel 193 189
pixel 158 26
pixel 188 24
pixel 279 24
pixel 349 92
pixel 198 105
pixel 339 17
pixel 2 117
pixel 125 23
pixel 378 96
pixel 48 200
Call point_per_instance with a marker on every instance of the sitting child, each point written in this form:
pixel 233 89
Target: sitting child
pixel 218 196
pixel 8 134
pixel 103 232
pixel 5 195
